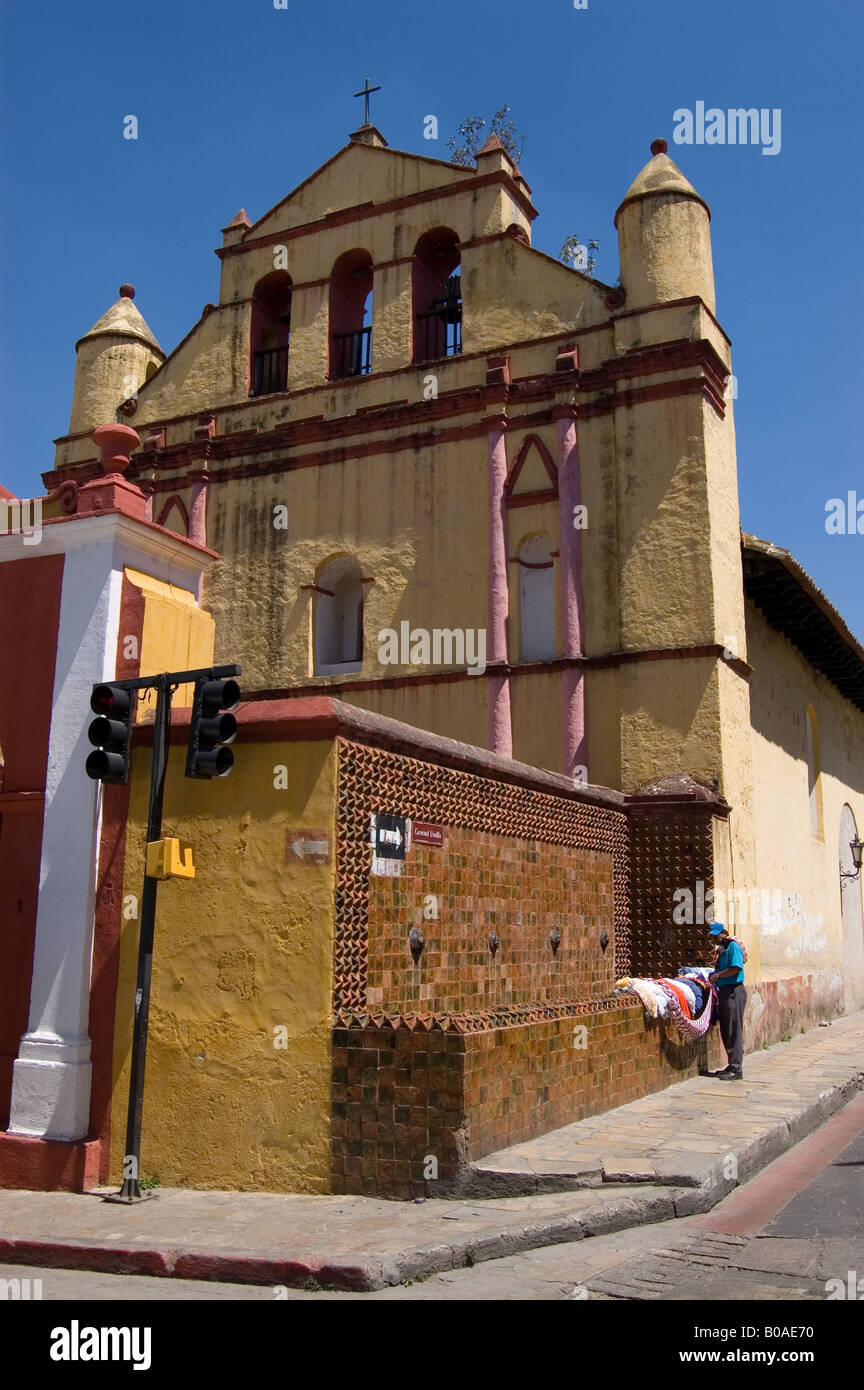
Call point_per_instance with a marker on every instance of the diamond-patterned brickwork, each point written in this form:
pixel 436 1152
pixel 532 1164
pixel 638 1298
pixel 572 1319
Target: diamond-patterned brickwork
pixel 669 851
pixel 508 863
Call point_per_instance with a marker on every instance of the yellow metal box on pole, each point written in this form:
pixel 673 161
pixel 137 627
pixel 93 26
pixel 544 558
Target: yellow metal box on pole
pixel 169 858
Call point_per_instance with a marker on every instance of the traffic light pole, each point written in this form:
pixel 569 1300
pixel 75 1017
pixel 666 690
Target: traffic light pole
pixel 164 685
pixel 131 1191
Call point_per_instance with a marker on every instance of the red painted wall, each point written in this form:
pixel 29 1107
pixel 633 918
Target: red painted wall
pixel 29 619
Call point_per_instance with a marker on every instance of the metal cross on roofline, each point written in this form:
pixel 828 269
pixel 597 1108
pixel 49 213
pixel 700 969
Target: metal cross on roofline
pixel 366 91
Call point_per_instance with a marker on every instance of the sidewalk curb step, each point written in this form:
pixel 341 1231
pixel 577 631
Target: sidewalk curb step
pixel 499 1180
pixel 680 1187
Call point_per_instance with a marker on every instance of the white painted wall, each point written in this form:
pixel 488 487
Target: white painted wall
pixel 51 1077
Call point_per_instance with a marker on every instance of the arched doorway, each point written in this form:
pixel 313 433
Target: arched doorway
pixel 853 920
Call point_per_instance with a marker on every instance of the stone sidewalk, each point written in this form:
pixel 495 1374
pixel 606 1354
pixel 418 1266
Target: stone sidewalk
pixel 668 1155
pixel 685 1134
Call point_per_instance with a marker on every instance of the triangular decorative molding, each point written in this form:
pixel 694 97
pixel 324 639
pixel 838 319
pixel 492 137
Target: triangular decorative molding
pixel 524 498
pixel 174 503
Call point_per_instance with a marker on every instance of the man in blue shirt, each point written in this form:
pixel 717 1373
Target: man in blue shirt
pixel 728 976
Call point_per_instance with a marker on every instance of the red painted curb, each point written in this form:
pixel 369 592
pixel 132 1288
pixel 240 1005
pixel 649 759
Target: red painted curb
pixel 245 1269
pixel 169 1264
pixel 101 1258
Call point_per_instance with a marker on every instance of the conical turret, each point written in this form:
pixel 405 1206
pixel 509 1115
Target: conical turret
pixel 113 360
pixel 664 242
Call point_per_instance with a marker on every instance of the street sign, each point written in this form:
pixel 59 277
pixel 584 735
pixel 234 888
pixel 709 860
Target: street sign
pixel 424 832
pixel 308 847
pixel 389 836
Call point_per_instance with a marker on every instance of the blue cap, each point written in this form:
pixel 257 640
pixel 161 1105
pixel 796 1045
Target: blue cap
pixel 716 929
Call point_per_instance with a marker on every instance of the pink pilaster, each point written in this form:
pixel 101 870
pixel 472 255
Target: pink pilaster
pixel 499 728
pixel 573 725
pixel 198 511
pixel 198 519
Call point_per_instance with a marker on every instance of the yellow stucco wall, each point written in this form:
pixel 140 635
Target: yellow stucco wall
pixel 665 248
pixel 108 370
pixel 176 635
pixel 454 709
pixel 243 949
pixel 788 857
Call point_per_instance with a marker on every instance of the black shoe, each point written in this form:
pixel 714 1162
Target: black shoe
pixel 730 1076
pixel 723 1072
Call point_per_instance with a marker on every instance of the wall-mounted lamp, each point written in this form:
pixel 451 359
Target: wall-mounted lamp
pixel 857 848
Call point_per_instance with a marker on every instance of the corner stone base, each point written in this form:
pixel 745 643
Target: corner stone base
pixel 48 1165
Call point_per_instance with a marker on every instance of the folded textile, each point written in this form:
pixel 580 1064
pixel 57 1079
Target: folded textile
pixel 701 972
pixel 654 1000
pixel 689 1028
pixel 695 994
pixel 679 992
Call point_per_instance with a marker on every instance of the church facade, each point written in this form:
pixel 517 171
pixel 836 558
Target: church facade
pixel 440 478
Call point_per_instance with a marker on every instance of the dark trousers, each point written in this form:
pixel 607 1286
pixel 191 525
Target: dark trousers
pixel 731 1016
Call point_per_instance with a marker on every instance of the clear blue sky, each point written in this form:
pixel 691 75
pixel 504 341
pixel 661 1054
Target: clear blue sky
pixel 238 102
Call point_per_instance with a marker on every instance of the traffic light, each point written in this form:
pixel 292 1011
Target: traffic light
pixel 110 734
pixel 212 728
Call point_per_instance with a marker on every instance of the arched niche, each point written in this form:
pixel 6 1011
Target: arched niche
pixel 338 617
pixel 537 632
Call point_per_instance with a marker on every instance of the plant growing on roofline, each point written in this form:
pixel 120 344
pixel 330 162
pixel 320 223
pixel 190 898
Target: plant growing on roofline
pixel 471 130
pixel 579 256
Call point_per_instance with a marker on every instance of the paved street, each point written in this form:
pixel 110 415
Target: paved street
pixel 781 1236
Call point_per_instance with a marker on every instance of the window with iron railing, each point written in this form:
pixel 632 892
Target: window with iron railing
pixel 269 371
pixel 351 353
pixel 438 329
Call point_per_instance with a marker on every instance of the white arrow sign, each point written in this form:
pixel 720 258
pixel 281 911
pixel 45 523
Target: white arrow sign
pixel 309 848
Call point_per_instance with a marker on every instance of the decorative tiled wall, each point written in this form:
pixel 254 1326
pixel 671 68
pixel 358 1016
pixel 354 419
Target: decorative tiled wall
pixel 456 1050
pixel 510 852
pixel 522 890
pixel 403 1096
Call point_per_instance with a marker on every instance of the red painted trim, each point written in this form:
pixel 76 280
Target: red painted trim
pixel 317 718
pixel 604 380
pixel 12 803
pixel 30 598
pixel 664 391
pixel 673 304
pixel 139 521
pixel 531 441
pixel 310 178
pixel 363 211
pixel 174 501
pixel 507 235
pixel 531 499
pixel 46 1165
pixel 336 688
